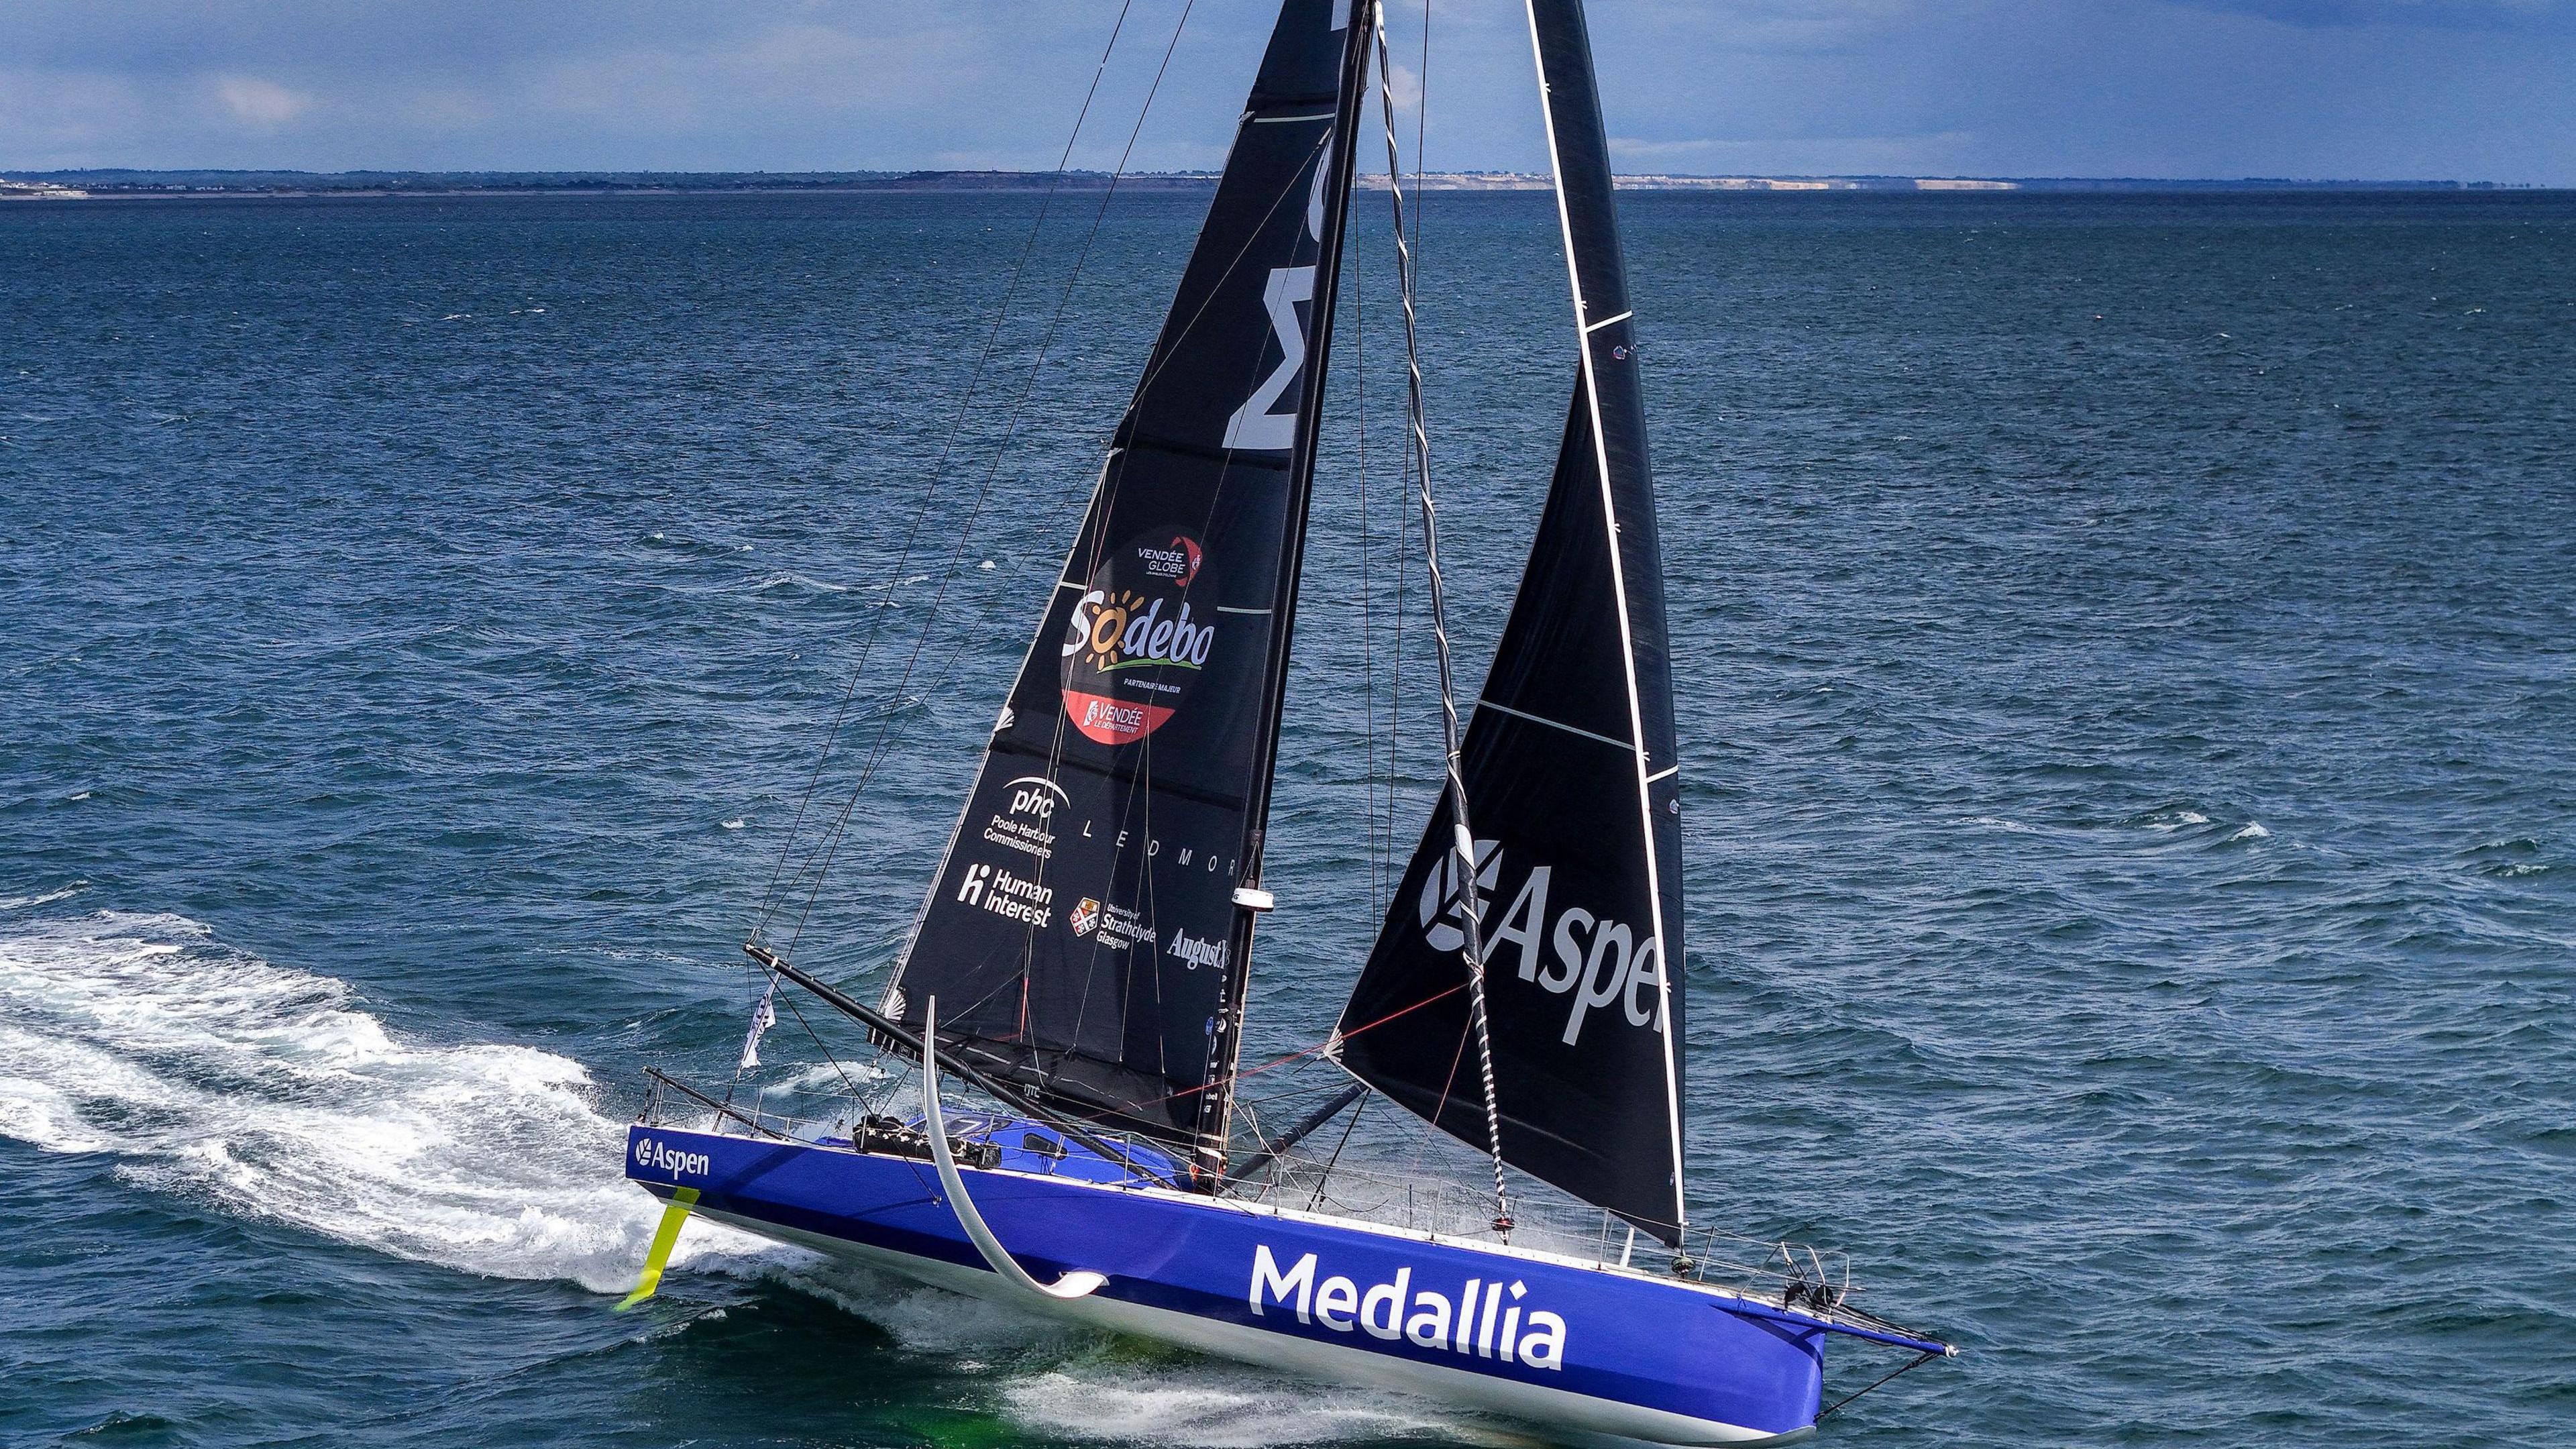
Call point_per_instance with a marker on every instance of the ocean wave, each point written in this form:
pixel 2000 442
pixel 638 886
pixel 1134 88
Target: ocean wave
pixel 795 581
pixel 212 1074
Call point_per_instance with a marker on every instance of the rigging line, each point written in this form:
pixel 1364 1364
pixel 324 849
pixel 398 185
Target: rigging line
pixel 799 1013
pixel 1470 909
pixel 889 731
pixel 1324 1179
pixel 1302 1053
pixel 1900 1369
pixel 930 489
pixel 983 490
pixel 1368 639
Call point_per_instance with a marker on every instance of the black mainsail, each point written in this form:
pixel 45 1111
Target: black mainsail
pixel 1569 768
pixel 1088 933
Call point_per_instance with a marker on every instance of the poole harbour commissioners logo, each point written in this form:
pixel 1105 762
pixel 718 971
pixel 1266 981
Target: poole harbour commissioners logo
pixel 1489 1320
pixel 1136 640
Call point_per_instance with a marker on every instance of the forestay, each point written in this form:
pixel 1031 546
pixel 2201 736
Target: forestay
pixel 1083 935
pixel 1569 768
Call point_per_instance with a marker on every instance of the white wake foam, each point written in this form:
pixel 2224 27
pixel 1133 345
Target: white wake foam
pixel 205 1071
pixel 211 1073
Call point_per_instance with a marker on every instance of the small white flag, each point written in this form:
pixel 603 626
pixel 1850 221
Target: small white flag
pixel 763 1017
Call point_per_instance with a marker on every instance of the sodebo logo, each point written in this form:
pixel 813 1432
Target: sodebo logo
pixel 1489 1320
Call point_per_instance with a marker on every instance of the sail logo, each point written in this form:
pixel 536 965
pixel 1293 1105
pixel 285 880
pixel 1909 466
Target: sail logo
pixel 1487 1319
pixel 1596 962
pixel 1254 425
pixel 1013 898
pixel 1113 925
pixel 649 1153
pixel 1179 563
pixel 1025 824
pixel 1195 953
pixel 1132 645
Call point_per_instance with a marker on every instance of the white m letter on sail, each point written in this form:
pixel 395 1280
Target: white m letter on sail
pixel 1254 425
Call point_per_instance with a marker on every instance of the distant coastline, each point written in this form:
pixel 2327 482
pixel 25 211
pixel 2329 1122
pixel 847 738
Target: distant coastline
pixel 84 184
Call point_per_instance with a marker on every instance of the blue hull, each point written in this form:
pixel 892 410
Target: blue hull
pixel 1569 1345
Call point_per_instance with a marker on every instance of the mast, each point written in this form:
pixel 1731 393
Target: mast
pixel 1330 212
pixel 1570 762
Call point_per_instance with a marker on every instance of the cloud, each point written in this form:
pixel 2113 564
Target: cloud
pixel 261 105
pixel 2544 16
pixel 2482 89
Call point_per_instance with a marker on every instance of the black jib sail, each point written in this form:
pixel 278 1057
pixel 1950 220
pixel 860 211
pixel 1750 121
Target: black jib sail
pixel 1088 932
pixel 1569 772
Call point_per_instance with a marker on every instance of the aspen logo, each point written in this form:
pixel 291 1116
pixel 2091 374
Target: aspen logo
pixel 1137 638
pixel 1487 1319
pixel 1597 962
pixel 649 1153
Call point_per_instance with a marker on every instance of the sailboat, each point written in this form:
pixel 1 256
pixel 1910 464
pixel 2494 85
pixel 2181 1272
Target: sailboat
pixel 1082 959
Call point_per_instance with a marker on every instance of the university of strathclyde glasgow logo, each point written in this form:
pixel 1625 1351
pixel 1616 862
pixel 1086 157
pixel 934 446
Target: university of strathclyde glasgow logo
pixel 1085 916
pixel 1139 637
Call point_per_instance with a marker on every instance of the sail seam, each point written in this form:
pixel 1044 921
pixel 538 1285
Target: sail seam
pixel 1619 593
pixel 1553 724
pixel 1608 321
pixel 1276 120
pixel 1231 457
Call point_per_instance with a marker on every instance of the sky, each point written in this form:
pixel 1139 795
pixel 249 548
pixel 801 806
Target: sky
pixel 2481 90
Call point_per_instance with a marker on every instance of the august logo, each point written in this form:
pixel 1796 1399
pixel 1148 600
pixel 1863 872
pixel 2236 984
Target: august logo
pixel 1197 953
pixel 1487 1319
pixel 1133 645
pixel 1597 961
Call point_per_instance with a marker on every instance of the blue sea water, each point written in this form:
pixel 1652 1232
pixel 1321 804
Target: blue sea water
pixel 2129 722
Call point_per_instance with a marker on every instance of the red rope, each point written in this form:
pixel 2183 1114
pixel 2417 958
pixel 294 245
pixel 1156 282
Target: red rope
pixel 1302 1052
